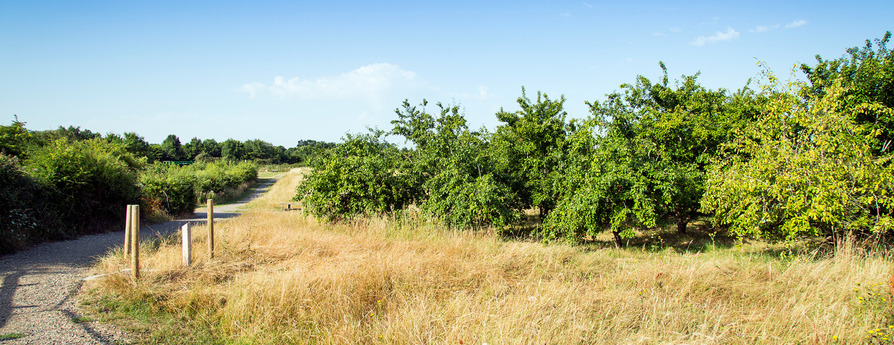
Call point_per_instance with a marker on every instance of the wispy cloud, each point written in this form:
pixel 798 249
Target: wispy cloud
pixel 713 21
pixel 565 14
pixel 795 24
pixel 764 28
pixel 587 5
pixel 719 36
pixel 367 80
pixel 483 94
pixel 659 34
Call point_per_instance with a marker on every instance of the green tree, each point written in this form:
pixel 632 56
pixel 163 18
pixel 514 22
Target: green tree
pixel 172 149
pixel 452 171
pixel 15 139
pixel 356 178
pixel 804 169
pixel 528 148
pixel 867 76
pixel 192 149
pixel 232 149
pixel 211 148
pixel 651 146
pixel 136 145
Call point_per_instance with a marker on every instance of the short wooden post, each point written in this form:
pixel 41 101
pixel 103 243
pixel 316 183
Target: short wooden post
pixel 187 245
pixel 211 228
pixel 127 226
pixel 135 241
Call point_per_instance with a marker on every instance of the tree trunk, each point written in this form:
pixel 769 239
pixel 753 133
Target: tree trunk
pixel 618 242
pixel 681 225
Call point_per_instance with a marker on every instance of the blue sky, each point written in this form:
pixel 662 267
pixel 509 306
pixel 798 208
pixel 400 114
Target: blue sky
pixel 285 71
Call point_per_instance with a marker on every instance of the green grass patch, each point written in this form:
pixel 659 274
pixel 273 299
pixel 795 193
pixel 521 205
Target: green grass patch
pixel 11 336
pixel 141 317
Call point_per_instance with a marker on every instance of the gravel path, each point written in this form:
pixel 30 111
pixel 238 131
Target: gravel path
pixel 37 285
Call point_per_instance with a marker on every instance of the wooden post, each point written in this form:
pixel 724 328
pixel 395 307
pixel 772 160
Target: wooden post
pixel 135 241
pixel 127 226
pixel 187 245
pixel 211 228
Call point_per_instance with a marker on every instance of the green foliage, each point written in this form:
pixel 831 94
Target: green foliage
pixel 219 176
pixel 452 170
pixel 528 148
pixel 14 139
pixel 358 177
pixel 232 149
pixel 171 187
pixel 172 149
pixel 20 206
pixel 646 152
pixel 308 152
pixel 89 181
pixel 804 169
pixel 867 76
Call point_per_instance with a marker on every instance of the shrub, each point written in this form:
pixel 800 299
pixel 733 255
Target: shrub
pixel 20 218
pixel 170 187
pixel 88 182
pixel 357 177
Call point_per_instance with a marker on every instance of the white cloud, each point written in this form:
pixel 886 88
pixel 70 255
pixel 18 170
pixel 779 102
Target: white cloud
pixel 676 29
pixel 659 34
pixel 369 81
pixel 795 24
pixel 587 5
pixel 565 14
pixel 764 28
pixel 719 36
pixel 483 94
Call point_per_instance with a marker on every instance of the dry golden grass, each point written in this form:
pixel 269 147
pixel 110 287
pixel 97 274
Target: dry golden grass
pixel 279 277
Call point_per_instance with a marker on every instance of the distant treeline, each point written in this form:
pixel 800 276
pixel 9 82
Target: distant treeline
pixel 780 160
pixel 172 149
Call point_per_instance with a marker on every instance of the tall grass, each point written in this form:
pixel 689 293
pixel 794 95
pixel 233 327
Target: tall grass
pixel 281 277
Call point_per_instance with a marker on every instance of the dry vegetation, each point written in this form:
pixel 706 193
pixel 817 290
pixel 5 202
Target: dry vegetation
pixel 280 277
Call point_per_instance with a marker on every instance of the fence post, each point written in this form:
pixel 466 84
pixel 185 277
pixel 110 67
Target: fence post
pixel 135 241
pixel 187 245
pixel 127 225
pixel 211 228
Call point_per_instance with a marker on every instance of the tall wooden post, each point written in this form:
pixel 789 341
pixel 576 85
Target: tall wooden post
pixel 135 241
pixel 127 226
pixel 211 228
pixel 187 245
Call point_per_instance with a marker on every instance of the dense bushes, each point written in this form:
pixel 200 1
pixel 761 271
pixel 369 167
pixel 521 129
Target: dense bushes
pixel 65 189
pixel 21 215
pixel 168 188
pixel 64 184
pixel 176 190
pixel 88 181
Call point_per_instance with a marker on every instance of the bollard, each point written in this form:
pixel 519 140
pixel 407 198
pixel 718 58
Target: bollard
pixel 127 225
pixel 210 228
pixel 135 241
pixel 187 245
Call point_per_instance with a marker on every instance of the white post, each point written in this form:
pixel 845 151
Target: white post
pixel 187 245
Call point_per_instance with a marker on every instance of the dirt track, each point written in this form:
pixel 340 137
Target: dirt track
pixel 37 285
